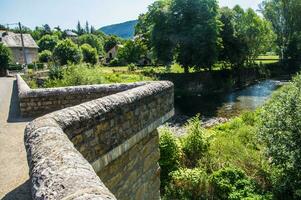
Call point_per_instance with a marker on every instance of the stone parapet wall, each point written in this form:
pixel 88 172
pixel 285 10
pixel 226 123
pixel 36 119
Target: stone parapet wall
pixel 113 137
pixel 36 102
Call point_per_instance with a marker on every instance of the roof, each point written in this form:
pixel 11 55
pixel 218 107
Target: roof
pixel 11 39
pixel 116 47
pixel 70 33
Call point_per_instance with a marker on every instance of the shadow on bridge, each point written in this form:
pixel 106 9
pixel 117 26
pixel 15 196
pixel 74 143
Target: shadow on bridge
pixel 14 115
pixel 22 192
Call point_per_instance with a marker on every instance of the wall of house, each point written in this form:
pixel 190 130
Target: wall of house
pixel 36 102
pixel 114 137
pixel 18 57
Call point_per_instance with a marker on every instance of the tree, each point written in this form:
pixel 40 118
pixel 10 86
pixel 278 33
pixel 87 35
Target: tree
pixel 155 30
pixel 48 42
pixel 79 29
pixel 286 23
pixel 233 49
pixel 89 54
pixel 87 28
pixel 93 30
pixel 66 51
pixel 93 41
pixel 196 29
pixel 45 56
pixel 5 57
pixel 132 52
pixel 255 31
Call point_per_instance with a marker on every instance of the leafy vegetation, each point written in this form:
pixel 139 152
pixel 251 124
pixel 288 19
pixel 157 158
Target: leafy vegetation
pixel 86 75
pixel 67 52
pixel 89 54
pixel 5 57
pixel 45 56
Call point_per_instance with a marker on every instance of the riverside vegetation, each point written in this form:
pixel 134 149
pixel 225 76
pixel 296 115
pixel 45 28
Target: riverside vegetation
pixel 254 156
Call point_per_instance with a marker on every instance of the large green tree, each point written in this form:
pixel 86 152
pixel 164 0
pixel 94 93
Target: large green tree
pixel 48 42
pixel 132 52
pixel 66 51
pixel 285 18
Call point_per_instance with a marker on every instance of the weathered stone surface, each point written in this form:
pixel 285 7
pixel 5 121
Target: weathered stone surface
pixel 116 134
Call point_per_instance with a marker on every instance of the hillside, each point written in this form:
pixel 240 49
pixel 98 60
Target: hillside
pixel 124 30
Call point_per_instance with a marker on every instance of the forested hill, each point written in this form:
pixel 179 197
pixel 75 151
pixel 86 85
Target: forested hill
pixel 124 30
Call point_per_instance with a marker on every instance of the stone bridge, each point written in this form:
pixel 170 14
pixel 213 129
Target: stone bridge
pixel 100 142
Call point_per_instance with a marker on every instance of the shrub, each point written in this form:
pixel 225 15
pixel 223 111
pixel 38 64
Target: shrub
pixel 232 184
pixel 55 73
pixel 280 129
pixel 169 155
pixel 195 144
pixel 45 56
pixel 132 67
pixel 48 42
pixel 66 51
pixel 89 54
pixel 188 184
pixel 5 57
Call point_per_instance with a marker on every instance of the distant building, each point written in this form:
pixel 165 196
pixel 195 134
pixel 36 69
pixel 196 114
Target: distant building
pixel 112 53
pixel 70 34
pixel 14 43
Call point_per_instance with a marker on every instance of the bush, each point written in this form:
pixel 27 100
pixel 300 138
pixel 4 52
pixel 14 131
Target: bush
pixel 132 67
pixel 66 51
pixel 169 155
pixel 48 42
pixel 280 129
pixel 232 184
pixel 45 56
pixel 89 54
pixel 188 184
pixel 195 144
pixel 56 73
pixel 5 57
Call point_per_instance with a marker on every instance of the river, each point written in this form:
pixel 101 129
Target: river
pixel 230 104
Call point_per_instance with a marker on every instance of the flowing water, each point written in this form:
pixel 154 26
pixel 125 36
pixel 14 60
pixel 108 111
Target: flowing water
pixel 228 105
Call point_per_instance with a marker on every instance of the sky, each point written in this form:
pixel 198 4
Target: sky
pixel 66 13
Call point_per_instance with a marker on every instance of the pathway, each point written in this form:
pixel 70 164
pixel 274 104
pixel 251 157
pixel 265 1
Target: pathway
pixel 14 184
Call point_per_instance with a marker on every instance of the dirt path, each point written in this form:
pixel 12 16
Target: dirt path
pixel 14 182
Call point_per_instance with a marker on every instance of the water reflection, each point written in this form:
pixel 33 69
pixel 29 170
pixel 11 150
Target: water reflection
pixel 229 104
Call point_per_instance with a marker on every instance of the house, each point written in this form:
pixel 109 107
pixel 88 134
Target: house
pixel 112 53
pixel 14 42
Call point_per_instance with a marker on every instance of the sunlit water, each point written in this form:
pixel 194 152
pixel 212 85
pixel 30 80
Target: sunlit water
pixel 230 104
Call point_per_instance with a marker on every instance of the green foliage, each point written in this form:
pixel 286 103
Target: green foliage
pixel 280 130
pixel 232 184
pixel 170 154
pixel 195 144
pixel 188 184
pixel 131 52
pixel 48 42
pixel 66 51
pixel 93 40
pixel 89 54
pixel 132 67
pixel 286 23
pixel 86 75
pixel 45 56
pixel 55 73
pixel 5 57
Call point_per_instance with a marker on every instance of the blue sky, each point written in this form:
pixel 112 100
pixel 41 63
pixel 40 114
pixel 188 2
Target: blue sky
pixel 98 13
